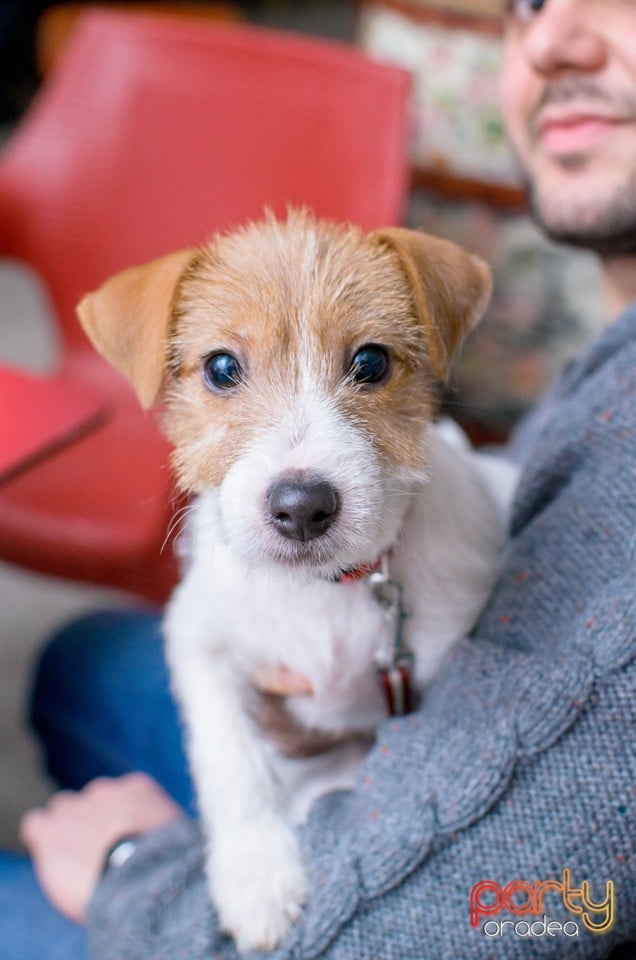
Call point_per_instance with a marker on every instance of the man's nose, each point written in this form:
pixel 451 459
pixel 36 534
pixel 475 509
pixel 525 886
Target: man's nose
pixel 566 35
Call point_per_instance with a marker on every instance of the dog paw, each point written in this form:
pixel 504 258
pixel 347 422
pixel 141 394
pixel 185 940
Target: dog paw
pixel 257 883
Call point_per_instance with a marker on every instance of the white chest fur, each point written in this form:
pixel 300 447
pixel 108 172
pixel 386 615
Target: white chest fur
pixel 445 559
pixel 227 619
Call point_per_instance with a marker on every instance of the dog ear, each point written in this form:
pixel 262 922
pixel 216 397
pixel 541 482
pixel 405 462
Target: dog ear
pixel 450 287
pixel 128 320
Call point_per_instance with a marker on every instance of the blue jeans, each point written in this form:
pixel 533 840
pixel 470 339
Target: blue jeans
pixel 101 706
pixel 30 928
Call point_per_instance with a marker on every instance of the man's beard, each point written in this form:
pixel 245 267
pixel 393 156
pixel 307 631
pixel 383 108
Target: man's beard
pixel 605 222
pixel 607 227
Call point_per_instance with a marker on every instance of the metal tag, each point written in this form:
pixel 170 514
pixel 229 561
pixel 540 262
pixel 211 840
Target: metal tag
pixel 394 663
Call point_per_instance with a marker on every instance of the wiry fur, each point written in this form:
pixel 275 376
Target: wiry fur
pixel 294 302
pixel 308 289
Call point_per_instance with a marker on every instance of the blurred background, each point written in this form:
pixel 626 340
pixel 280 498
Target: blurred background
pixel 421 143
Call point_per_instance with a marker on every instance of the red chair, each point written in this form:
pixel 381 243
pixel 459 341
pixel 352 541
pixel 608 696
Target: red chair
pixel 153 133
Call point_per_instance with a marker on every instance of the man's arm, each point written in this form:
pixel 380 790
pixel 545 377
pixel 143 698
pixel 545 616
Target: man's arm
pixel 69 838
pixel 570 804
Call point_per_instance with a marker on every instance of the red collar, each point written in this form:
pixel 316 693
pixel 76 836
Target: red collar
pixel 358 573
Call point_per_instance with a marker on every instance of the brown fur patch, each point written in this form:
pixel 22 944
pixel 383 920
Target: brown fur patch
pixel 293 300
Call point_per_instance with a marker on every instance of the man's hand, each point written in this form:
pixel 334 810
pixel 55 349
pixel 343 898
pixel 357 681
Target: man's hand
pixel 68 838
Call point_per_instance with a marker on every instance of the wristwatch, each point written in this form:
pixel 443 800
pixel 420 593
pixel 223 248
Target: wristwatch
pixel 120 852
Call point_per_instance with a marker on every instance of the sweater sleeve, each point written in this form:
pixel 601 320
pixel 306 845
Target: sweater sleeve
pixel 568 806
pixel 147 907
pixel 518 766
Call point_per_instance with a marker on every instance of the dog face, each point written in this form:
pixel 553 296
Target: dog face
pixel 299 361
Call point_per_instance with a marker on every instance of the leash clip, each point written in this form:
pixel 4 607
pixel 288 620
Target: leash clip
pixel 394 662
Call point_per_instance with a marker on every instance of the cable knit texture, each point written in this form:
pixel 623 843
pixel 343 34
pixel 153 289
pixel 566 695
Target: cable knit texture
pixel 521 760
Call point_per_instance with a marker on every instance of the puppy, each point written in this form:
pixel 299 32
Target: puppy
pixel 333 531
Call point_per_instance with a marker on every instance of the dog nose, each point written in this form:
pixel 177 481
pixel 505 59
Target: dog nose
pixel 302 509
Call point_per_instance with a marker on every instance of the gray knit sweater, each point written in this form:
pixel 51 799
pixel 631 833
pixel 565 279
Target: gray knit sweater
pixel 521 761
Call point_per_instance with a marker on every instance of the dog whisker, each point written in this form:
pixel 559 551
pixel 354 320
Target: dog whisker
pixel 178 524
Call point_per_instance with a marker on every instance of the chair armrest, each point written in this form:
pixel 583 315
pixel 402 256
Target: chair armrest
pixel 8 218
pixel 38 415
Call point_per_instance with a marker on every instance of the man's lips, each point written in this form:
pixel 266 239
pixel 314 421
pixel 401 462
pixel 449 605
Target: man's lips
pixel 573 131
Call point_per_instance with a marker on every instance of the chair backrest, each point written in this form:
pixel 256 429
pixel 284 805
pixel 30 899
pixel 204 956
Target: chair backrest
pixel 56 24
pixel 155 132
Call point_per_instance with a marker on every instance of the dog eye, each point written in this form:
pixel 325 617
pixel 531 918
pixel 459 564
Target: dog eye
pixel 370 364
pixel 221 371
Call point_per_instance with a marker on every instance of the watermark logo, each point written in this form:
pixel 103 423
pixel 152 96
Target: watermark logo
pixel 520 898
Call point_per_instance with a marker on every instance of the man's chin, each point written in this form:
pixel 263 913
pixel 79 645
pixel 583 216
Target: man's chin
pixel 575 211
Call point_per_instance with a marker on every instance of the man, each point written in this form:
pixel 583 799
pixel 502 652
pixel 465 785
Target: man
pixel 568 93
pixel 514 783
